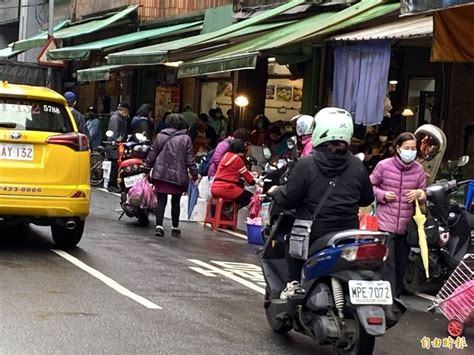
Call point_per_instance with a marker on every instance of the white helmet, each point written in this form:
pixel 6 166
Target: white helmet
pixel 304 124
pixel 332 124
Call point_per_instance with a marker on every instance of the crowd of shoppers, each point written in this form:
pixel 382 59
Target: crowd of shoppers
pixel 396 178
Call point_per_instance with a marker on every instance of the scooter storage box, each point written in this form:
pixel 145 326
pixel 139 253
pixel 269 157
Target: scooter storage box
pixel 254 234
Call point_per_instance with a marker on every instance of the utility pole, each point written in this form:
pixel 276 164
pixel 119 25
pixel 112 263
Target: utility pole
pixel 49 77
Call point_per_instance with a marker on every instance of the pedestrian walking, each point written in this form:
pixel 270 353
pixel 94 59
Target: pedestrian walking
pixel 398 181
pixel 172 160
pixel 142 122
pixel 71 99
pixel 118 126
pixel 93 127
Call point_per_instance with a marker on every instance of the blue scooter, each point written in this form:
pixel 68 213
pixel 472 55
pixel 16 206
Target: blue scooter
pixel 343 303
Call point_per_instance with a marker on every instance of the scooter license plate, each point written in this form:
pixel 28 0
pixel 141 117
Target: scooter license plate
pixel 370 292
pixel 130 181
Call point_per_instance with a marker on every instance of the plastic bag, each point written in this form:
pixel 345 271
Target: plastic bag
pixel 142 195
pixel 255 205
pixel 368 220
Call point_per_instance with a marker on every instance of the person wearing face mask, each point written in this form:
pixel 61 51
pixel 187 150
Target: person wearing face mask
pixel 398 181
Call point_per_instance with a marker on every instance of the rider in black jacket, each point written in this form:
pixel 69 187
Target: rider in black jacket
pixel 310 179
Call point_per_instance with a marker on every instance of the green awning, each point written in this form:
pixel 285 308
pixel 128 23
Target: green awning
pixel 83 51
pixel 73 30
pixel 158 53
pixel 97 73
pixel 7 53
pixel 218 65
pixel 303 30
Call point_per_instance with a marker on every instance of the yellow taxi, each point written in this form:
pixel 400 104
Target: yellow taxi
pixel 44 163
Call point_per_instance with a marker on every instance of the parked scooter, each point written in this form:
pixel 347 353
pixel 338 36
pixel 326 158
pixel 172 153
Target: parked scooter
pixel 345 304
pixel 132 157
pixel 456 230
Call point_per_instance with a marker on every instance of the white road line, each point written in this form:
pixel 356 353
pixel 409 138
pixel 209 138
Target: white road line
pixel 229 275
pixel 107 191
pixel 227 231
pixel 106 280
pixel 425 296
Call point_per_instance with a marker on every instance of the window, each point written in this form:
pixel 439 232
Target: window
pixel 32 115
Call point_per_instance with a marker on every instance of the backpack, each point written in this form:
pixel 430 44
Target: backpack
pixel 203 168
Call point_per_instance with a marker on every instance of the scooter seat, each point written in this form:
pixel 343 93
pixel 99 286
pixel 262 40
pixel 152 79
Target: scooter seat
pixel 335 237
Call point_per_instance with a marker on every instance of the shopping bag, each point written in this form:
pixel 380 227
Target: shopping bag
pixel 142 195
pixel 368 220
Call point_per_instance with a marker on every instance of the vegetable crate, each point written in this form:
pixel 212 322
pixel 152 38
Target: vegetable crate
pixel 456 298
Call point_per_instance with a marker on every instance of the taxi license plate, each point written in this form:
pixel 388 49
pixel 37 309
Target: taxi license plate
pixel 132 180
pixel 16 151
pixel 370 292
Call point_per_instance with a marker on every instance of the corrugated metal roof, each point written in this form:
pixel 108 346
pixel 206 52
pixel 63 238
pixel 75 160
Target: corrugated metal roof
pixel 421 26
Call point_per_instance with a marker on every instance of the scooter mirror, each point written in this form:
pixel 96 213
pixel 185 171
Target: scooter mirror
pixel 360 156
pixel 109 133
pixel 267 153
pixel 291 142
pixel 462 161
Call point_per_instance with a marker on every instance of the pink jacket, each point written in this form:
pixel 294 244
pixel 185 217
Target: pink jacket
pixel 307 145
pixel 392 175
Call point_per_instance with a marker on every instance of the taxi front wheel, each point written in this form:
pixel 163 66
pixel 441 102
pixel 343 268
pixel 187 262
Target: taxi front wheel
pixel 66 238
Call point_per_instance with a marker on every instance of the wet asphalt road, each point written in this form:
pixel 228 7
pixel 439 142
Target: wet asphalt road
pixel 50 305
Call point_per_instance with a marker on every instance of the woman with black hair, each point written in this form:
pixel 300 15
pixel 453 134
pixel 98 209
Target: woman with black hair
pixel 231 176
pixel 143 121
pixel 261 134
pixel 172 160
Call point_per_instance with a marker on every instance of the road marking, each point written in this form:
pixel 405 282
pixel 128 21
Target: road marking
pixel 425 296
pixel 106 280
pixel 107 191
pixel 227 231
pixel 211 270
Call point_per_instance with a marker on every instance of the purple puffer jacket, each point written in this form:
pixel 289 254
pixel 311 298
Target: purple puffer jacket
pixel 222 148
pixel 392 175
pixel 171 158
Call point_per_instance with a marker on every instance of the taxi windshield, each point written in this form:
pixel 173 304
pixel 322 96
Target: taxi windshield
pixel 34 115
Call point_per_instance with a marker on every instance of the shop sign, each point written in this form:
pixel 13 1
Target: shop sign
pixel 416 6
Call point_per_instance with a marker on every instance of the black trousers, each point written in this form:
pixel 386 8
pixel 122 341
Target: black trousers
pixel 295 266
pixel 175 209
pixel 396 263
pixel 113 173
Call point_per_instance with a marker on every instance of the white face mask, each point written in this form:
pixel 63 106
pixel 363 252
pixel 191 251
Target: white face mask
pixel 383 139
pixel 407 155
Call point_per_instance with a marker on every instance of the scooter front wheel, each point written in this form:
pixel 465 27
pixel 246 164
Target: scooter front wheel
pixel 278 326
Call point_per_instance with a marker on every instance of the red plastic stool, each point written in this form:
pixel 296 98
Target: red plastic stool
pixel 216 221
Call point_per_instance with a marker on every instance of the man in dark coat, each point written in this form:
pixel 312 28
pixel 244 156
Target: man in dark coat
pixel 118 127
